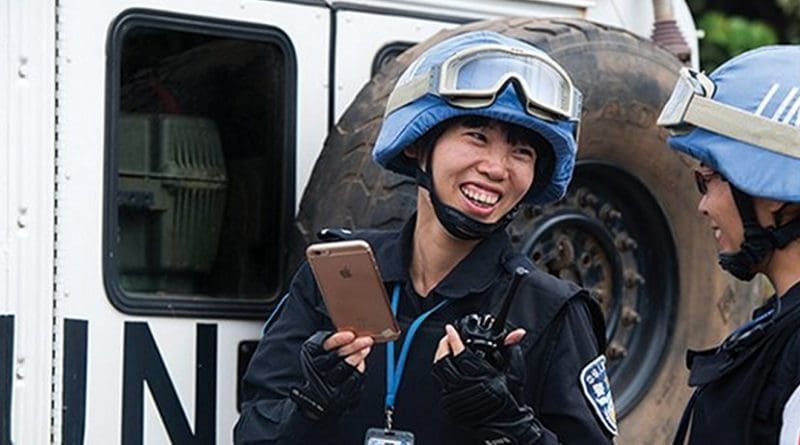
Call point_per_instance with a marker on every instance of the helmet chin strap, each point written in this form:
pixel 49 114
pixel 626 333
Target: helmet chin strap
pixel 758 243
pixel 455 222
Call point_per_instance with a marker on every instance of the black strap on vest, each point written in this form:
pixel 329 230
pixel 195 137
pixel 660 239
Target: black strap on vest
pixel 774 340
pixel 683 426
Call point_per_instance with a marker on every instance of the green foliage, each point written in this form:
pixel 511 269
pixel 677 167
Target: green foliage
pixel 791 8
pixel 727 36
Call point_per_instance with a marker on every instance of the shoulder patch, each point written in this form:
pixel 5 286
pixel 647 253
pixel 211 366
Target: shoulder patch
pixel 597 390
pixel 790 431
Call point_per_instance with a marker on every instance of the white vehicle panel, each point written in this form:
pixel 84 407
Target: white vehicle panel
pixel 6 75
pixel 353 68
pixel 477 9
pixel 26 216
pixel 83 33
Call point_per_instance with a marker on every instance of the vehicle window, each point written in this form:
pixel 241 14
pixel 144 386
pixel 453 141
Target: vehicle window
pixel 201 164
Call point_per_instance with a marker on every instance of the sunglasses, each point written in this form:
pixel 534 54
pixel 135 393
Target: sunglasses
pixel 701 180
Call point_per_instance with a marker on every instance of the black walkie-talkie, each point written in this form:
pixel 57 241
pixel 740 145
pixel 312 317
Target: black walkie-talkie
pixel 484 333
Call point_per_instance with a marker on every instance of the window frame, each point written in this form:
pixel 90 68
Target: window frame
pixel 174 305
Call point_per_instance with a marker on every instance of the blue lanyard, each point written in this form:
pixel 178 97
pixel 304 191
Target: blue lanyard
pixel 395 374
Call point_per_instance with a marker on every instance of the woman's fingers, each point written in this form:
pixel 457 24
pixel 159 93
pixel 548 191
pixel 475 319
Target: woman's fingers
pixel 449 344
pixel 354 346
pixel 514 337
pixel 442 350
pixel 358 359
pixel 452 343
pixel 354 349
pixel 338 339
pixel 454 340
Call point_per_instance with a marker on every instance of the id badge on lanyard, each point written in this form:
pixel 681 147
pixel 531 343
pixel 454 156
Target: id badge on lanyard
pixel 387 435
pixel 380 436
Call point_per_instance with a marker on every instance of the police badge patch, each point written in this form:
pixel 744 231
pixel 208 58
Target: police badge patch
pixel 597 391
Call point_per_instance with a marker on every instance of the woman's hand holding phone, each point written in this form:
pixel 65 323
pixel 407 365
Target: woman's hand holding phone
pixel 333 366
pixel 354 349
pixel 351 286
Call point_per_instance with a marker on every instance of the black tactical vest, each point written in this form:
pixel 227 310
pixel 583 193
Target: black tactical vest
pixel 730 380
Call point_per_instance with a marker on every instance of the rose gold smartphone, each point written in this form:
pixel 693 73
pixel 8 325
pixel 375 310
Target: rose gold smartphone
pixel 351 285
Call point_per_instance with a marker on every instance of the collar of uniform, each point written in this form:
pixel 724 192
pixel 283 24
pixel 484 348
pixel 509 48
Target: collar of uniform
pixel 789 302
pixel 394 266
pixel 479 269
pixel 475 273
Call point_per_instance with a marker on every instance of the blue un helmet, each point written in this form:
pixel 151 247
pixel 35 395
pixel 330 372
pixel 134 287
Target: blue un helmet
pixel 489 75
pixel 743 121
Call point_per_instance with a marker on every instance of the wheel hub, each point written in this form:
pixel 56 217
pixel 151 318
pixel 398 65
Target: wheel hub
pixel 603 236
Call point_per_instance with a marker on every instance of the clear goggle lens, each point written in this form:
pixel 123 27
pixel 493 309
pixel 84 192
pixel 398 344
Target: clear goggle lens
pixel 473 77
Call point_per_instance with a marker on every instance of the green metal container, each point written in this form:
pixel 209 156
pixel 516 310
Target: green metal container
pixel 171 201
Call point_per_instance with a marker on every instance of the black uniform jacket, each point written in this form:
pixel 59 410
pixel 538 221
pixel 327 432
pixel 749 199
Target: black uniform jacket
pixel 564 332
pixel 744 386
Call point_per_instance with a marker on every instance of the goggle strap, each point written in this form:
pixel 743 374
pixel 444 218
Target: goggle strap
pixel 743 126
pixel 408 92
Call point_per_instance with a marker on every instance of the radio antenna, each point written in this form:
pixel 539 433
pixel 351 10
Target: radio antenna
pixel 499 321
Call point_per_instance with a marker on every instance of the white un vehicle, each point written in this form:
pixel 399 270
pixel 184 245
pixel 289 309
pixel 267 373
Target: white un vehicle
pixel 157 184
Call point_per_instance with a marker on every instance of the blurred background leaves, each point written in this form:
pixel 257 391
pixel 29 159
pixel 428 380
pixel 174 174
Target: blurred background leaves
pixel 732 27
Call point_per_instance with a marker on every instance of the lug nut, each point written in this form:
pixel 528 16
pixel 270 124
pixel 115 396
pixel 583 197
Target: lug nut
pixel 616 351
pixel 588 199
pixel 633 279
pixel 630 316
pixel 608 213
pixel 625 243
pixel 566 252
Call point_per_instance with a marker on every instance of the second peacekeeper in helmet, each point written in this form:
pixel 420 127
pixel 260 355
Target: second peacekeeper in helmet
pixel 742 123
pixel 486 124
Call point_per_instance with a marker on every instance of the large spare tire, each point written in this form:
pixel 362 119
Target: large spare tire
pixel 628 229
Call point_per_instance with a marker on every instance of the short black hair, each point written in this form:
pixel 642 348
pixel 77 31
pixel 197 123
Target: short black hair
pixel 515 134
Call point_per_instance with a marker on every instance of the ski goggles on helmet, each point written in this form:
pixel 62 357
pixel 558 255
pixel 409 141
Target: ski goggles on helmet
pixel 691 106
pixel 473 77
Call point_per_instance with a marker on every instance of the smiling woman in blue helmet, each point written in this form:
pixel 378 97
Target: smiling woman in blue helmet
pixel 485 124
pixel 742 123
